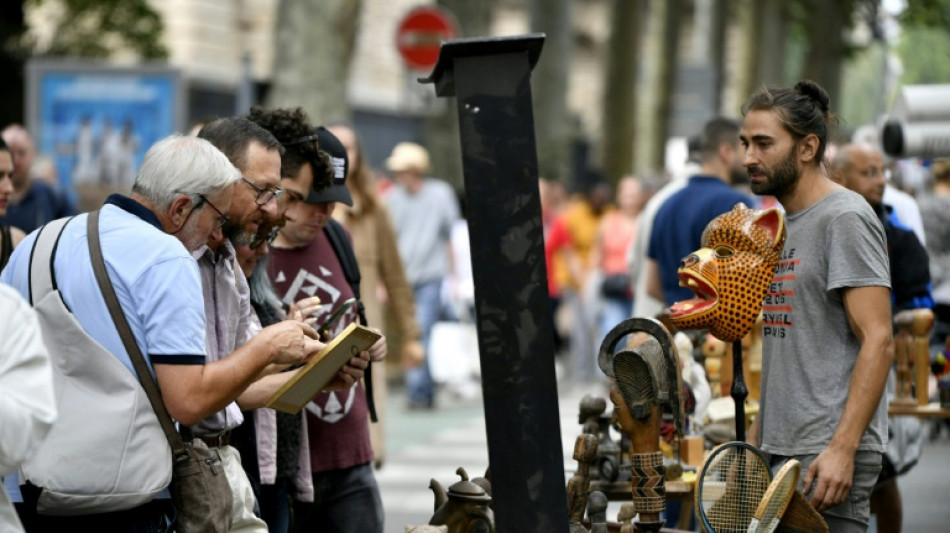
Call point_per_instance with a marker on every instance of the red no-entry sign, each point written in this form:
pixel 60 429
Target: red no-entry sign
pixel 420 34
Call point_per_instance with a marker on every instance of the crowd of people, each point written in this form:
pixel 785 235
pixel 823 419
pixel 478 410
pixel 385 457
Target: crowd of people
pixel 226 260
pixel 236 243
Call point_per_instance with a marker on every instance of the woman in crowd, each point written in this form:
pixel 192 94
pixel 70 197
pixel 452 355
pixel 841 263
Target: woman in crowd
pixel 382 276
pixel 9 235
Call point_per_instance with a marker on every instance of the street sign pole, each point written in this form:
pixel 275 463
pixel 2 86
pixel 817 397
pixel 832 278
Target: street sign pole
pixel 491 80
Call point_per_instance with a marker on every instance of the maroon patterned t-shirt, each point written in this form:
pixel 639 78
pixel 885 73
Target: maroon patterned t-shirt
pixel 338 424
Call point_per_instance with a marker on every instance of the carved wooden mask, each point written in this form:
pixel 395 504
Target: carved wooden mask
pixel 730 274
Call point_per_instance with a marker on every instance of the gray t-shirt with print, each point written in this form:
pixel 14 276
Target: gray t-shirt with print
pixel 809 350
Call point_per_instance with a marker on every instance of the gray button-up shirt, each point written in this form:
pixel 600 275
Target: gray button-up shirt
pixel 227 311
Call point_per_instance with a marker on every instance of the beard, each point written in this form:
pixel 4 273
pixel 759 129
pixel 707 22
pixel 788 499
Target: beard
pixel 191 236
pixel 235 233
pixel 780 180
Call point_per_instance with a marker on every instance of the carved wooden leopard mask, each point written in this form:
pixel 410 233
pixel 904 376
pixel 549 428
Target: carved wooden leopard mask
pixel 731 273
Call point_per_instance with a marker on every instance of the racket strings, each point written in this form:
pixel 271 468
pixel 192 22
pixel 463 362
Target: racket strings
pixel 732 487
pixel 775 505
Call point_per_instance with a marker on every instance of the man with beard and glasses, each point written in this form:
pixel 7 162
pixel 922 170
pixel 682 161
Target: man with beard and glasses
pixel 679 223
pixel 257 155
pixel 827 342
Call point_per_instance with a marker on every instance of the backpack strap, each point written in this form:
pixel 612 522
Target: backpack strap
pixel 42 276
pixel 351 271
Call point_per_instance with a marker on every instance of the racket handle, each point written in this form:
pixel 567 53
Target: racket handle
pixel 739 391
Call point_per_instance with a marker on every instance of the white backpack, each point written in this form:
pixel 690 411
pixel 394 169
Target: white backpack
pixel 106 451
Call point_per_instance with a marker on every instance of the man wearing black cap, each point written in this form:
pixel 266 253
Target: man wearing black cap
pixel 303 262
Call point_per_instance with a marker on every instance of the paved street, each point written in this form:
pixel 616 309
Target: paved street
pixel 433 444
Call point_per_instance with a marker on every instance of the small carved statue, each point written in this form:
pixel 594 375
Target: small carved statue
pixel 585 451
pixel 597 512
pixel 591 408
pixel 731 273
pixel 625 516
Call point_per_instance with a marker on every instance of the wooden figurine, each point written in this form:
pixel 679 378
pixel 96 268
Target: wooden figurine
pixel 597 511
pixel 913 355
pixel 714 350
pixel 585 451
pixel 644 378
pixel 590 412
pixel 625 516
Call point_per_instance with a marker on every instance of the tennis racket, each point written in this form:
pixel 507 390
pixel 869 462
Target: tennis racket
pixel 730 486
pixel 770 510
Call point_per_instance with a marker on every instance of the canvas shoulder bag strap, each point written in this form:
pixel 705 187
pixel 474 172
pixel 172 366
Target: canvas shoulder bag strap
pixel 42 280
pixel 351 270
pixel 128 339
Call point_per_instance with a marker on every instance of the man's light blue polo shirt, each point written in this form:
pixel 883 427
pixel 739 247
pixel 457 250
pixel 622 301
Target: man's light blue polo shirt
pixel 155 279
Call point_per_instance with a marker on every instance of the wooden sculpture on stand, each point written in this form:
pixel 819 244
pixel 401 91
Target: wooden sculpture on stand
pixel 730 276
pixel 718 361
pixel 643 379
pixel 912 356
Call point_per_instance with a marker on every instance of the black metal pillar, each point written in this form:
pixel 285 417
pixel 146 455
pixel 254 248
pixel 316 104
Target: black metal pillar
pixel 491 79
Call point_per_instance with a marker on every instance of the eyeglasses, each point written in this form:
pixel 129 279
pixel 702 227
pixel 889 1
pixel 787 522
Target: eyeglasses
pixel 260 238
pixel 872 173
pixel 264 195
pixel 222 218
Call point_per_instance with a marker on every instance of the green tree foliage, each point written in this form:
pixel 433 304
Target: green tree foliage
pixel 925 55
pixel 924 46
pixel 96 28
pixel 926 13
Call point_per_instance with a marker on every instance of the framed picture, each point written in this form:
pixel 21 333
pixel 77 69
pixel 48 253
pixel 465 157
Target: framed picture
pixel 93 123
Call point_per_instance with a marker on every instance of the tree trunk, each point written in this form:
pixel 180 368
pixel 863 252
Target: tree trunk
pixel 549 87
pixel 826 45
pixel 752 21
pixel 666 80
pixel 620 89
pixel 771 56
pixel 721 10
pixel 313 52
pixel 13 58
pixel 441 127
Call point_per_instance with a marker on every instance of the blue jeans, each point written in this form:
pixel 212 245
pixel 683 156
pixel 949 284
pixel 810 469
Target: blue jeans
pixel 853 514
pixel 275 505
pixel 428 299
pixel 345 501
pixel 613 312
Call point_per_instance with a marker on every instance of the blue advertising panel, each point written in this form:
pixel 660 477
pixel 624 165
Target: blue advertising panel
pixel 95 123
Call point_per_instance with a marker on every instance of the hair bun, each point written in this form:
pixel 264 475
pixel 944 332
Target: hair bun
pixel 814 91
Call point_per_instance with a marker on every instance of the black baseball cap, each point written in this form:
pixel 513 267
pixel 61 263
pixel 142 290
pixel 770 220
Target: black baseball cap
pixel 339 164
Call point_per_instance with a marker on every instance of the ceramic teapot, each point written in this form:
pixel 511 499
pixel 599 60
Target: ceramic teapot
pixel 465 507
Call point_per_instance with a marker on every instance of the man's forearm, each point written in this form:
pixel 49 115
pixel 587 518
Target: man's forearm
pixel 255 396
pixel 864 391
